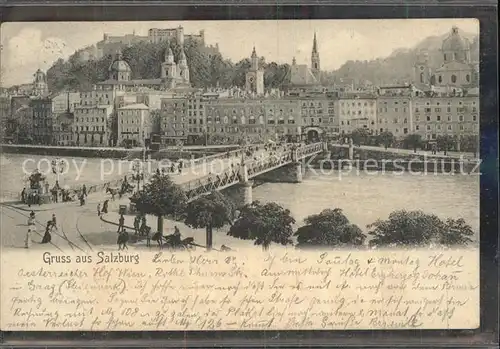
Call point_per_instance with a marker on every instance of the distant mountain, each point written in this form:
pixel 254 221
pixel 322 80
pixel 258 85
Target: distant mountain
pixel 398 67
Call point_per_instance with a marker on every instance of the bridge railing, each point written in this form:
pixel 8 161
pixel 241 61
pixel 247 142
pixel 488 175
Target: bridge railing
pixel 254 167
pixel 210 183
pixel 259 166
pixel 309 149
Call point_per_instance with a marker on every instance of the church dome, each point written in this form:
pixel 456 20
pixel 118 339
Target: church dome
pixel 119 65
pixel 455 42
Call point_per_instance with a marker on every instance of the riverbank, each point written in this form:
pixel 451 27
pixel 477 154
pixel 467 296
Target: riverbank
pixel 114 152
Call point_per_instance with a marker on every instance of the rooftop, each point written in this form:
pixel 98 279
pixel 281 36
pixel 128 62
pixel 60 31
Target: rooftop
pixel 135 106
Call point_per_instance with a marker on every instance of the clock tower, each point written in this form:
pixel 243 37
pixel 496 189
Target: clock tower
pixel 255 76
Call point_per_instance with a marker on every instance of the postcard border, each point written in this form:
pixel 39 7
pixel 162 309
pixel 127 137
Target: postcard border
pixel 485 336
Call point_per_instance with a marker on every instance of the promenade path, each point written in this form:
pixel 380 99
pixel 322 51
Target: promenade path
pixel 80 230
pixel 450 154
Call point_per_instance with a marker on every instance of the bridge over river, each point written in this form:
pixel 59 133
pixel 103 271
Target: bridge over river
pixel 241 175
pixel 198 176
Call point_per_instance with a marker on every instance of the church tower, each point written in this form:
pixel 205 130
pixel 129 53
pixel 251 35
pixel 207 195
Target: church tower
pixel 169 69
pixel 421 70
pixel 183 68
pixel 315 63
pixel 40 87
pixel 255 76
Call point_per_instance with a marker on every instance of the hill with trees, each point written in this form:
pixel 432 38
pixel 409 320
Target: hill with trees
pixel 214 70
pixel 145 61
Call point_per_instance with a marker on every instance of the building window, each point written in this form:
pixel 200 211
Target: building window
pixel 440 79
pixel 438 118
pixel 417 127
pixel 461 118
pixel 428 127
pixel 428 118
pixel 467 77
pixel 449 127
pixel 474 117
pixel 453 78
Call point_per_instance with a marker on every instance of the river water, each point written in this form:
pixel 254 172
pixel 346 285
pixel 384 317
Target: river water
pixel 363 197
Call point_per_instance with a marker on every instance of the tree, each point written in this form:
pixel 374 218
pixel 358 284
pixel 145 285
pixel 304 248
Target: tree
pixel 413 141
pixel 160 197
pixel 360 136
pixel 445 142
pixel 386 138
pixel 264 223
pixel 456 232
pixel 329 228
pixel 469 143
pixel 416 228
pixel 211 211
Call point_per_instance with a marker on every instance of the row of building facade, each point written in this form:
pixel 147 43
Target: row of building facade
pixel 122 110
pixel 76 119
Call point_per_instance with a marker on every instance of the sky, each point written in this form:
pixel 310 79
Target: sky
pixel 29 46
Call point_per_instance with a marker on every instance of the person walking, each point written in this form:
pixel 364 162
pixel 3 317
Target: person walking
pixel 147 231
pixel 137 223
pixel 47 238
pixel 31 218
pixel 27 240
pixel 122 240
pixel 105 207
pixel 121 223
pixel 84 191
pixel 54 222
pixel 99 209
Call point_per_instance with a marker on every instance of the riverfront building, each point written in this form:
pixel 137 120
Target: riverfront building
pixel 134 125
pixel 93 125
pixel 357 110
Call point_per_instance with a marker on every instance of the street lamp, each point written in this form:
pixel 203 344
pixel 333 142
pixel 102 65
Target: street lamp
pixel 138 175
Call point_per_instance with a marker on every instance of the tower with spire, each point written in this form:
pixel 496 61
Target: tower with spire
pixel 40 87
pixel 255 76
pixel 315 62
pixel 183 67
pixel 173 74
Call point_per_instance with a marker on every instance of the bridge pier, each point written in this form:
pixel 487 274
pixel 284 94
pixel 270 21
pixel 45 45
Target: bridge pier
pixel 296 172
pixel 244 193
